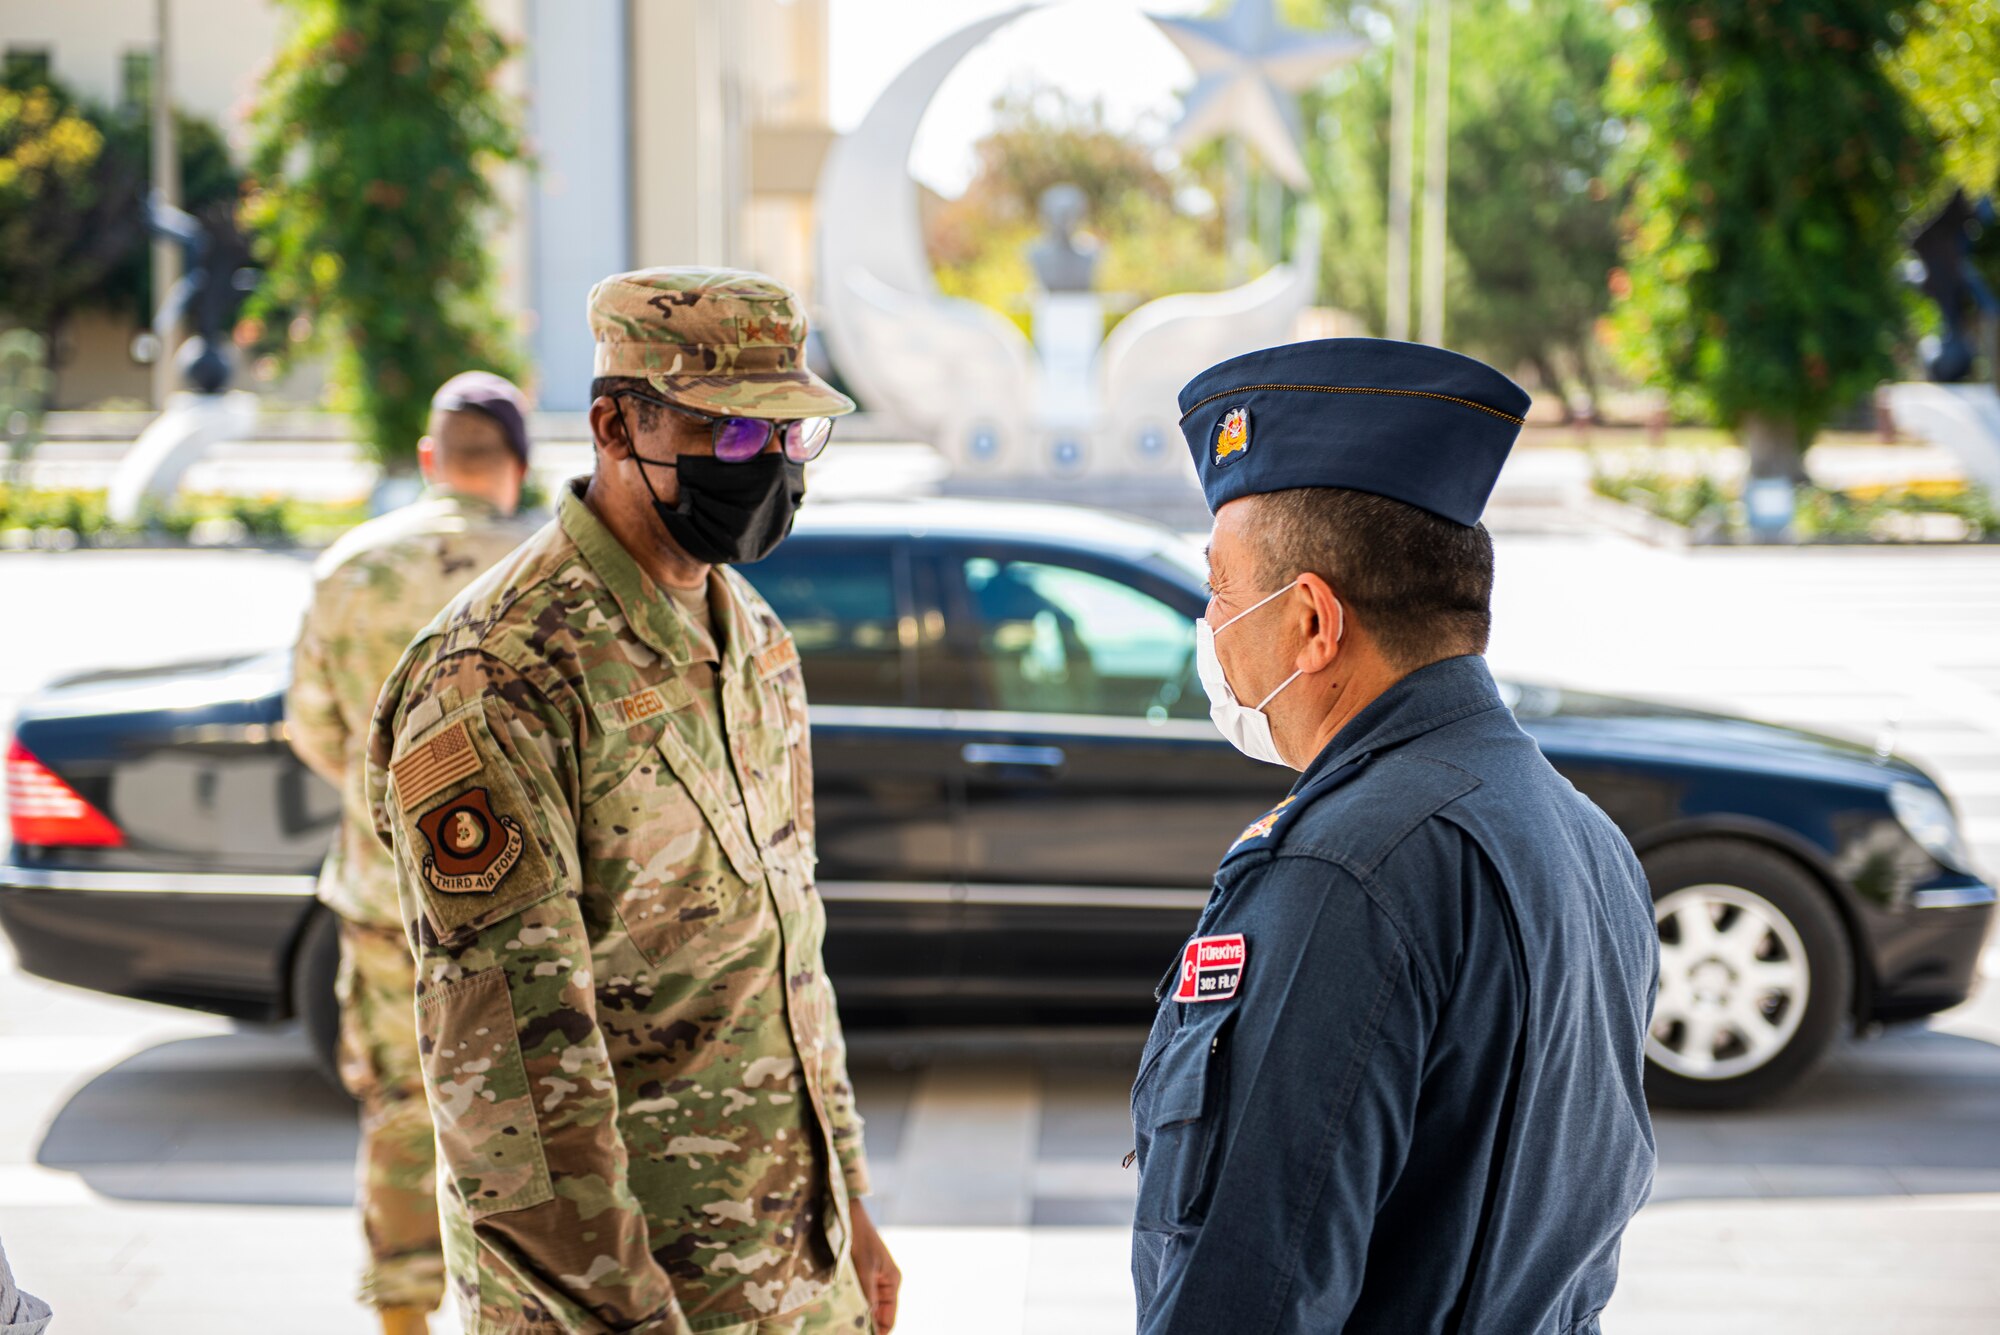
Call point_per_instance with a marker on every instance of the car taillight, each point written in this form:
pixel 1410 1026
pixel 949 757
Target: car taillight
pixel 43 810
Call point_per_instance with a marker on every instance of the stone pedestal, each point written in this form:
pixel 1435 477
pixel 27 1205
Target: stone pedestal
pixel 1964 419
pixel 1069 326
pixel 153 468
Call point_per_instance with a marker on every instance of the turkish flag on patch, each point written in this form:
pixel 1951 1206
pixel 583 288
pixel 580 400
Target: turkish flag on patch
pixel 1211 968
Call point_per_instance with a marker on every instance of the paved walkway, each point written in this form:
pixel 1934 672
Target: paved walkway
pixel 166 1166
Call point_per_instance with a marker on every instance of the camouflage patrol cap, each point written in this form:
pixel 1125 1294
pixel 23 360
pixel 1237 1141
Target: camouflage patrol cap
pixel 722 341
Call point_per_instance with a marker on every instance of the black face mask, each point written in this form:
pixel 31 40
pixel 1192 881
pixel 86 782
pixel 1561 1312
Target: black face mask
pixel 729 514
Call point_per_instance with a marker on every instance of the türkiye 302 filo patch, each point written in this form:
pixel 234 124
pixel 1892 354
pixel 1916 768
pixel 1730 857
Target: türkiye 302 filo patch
pixel 1212 968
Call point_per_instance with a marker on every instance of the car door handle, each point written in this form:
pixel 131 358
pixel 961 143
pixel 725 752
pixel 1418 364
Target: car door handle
pixel 1031 757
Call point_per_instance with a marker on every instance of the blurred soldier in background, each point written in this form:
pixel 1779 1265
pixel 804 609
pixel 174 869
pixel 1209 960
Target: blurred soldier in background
pixel 374 590
pixel 597 774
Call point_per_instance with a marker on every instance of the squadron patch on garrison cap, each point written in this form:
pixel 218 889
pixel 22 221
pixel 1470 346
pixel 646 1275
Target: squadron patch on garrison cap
pixel 1232 435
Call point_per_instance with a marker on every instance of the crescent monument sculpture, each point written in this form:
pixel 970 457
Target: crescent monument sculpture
pixel 960 375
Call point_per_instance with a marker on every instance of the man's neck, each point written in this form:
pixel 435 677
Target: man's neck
pixel 474 490
pixel 1353 696
pixel 639 532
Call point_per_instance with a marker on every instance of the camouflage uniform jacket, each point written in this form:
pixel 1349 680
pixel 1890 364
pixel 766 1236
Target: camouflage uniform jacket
pixel 373 590
pixel 629 1041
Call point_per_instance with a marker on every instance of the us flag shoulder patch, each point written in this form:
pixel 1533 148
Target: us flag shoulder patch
pixel 434 764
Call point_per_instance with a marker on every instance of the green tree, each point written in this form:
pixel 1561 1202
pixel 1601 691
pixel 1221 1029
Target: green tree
pixel 1773 162
pixel 378 129
pixel 1529 206
pixel 1950 67
pixel 1531 219
pixel 64 206
pixel 25 382
pixel 1347 152
pixel 73 182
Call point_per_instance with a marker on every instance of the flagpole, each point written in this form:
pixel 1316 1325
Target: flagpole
pixel 167 188
pixel 1402 169
pixel 1437 123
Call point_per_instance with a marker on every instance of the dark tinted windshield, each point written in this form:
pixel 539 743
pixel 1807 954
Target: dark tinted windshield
pixel 839 601
pixel 1038 634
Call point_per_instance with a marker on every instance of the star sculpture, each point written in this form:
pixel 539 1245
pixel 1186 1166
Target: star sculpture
pixel 1252 69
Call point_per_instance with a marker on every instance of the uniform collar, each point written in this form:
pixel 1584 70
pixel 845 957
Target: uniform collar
pixel 1424 701
pixel 654 617
pixel 651 614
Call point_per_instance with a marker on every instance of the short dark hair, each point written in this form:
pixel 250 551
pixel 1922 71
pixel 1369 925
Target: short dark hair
pixel 608 386
pixel 1421 584
pixel 482 454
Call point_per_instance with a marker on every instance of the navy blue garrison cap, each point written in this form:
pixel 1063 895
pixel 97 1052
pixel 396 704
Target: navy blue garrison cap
pixel 1411 422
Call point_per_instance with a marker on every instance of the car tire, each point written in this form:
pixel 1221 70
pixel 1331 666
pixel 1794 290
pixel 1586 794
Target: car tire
pixel 314 970
pixel 1749 1002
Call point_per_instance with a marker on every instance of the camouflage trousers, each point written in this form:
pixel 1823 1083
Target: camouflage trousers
pixel 397 1172
pixel 843 1310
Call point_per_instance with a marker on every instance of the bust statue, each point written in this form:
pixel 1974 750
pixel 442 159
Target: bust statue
pixel 1063 263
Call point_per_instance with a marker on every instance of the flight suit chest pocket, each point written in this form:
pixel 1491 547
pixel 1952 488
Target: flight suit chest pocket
pixel 1178 1112
pixel 480 1101
pixel 788 726
pixel 653 851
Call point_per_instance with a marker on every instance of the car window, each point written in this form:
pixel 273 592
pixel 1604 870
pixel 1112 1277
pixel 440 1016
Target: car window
pixel 1050 638
pixel 839 602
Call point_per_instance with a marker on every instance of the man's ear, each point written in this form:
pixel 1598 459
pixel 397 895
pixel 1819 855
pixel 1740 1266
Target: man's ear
pixel 427 460
pixel 607 427
pixel 1327 628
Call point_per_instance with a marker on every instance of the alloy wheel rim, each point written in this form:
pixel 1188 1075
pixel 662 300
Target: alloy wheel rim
pixel 1734 982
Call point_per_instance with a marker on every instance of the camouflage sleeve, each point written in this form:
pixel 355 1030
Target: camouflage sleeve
pixel 480 801
pixel 313 723
pixel 842 1114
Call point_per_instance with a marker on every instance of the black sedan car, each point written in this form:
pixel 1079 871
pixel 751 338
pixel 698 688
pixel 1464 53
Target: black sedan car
pixel 1021 800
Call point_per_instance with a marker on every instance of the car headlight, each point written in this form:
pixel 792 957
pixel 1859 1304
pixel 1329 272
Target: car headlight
pixel 1927 818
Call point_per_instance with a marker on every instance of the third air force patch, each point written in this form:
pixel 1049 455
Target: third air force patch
pixel 472 849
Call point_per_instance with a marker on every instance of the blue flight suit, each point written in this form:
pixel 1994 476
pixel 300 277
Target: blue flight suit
pixel 1417 1106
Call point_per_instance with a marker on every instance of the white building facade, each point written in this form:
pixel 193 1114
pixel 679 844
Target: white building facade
pixel 664 132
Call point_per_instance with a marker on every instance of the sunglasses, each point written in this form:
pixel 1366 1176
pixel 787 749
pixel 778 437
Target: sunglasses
pixel 740 439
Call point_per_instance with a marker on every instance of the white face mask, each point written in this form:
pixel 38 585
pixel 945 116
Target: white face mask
pixel 1247 727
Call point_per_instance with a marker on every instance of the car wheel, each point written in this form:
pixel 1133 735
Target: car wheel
pixel 313 1001
pixel 1755 974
